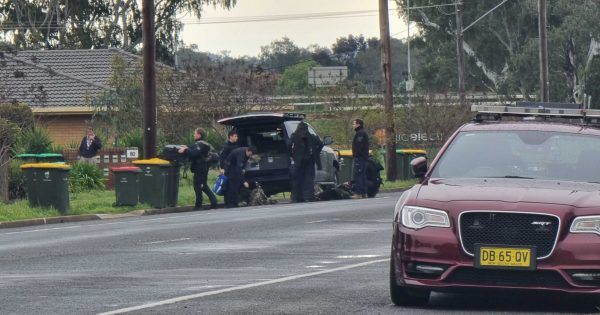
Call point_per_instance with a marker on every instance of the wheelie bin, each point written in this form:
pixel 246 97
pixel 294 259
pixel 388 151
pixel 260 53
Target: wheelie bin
pixel 154 182
pixel 29 172
pixel 48 185
pixel 403 158
pixel 345 158
pixel 126 185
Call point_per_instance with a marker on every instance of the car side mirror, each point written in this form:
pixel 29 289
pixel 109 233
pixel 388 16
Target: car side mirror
pixel 419 166
pixel 327 140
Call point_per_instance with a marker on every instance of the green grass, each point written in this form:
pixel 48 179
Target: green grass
pixel 398 184
pixel 98 202
pixel 101 201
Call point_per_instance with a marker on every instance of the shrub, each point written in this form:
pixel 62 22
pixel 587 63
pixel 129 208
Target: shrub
pixel 72 145
pixel 34 141
pixel 20 114
pixel 132 138
pixel 85 177
pixel 16 181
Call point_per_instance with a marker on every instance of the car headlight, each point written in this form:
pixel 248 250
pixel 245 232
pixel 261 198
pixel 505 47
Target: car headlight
pixel 588 224
pixel 418 217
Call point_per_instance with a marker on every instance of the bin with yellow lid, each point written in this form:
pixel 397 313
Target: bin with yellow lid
pixel 47 185
pixel 403 158
pixel 155 181
pixel 345 159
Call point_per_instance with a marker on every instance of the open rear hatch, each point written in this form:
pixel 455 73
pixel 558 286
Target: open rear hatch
pixel 260 118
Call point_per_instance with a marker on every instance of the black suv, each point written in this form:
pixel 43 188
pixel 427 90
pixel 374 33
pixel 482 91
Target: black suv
pixel 270 134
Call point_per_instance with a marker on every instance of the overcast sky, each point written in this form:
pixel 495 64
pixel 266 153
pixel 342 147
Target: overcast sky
pixel 300 20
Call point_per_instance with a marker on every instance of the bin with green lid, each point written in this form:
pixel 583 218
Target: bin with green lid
pixel 29 172
pixel 126 185
pixel 154 181
pixel 403 158
pixel 50 186
pixel 50 157
pixel 28 157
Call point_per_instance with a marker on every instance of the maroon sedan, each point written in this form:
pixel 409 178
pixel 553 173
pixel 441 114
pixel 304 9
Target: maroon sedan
pixel 505 205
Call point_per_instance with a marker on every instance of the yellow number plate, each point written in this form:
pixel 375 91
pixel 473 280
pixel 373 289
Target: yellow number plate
pixel 511 257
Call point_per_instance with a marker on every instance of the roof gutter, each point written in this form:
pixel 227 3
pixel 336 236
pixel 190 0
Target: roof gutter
pixel 62 110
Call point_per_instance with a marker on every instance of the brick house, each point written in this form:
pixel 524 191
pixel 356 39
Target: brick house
pixel 58 84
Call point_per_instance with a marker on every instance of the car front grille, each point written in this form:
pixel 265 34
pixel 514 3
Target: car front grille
pixel 516 278
pixel 510 229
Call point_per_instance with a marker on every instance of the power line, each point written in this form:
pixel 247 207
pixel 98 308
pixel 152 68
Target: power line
pixel 227 20
pixel 285 17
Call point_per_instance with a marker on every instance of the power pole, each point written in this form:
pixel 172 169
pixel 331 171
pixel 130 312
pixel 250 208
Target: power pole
pixel 409 80
pixel 388 101
pixel 149 80
pixel 544 80
pixel 460 54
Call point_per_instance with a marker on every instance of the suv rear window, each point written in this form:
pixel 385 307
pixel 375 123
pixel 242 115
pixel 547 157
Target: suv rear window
pixel 266 138
pixel 531 154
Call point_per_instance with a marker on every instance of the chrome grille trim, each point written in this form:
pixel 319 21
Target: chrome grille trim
pixel 517 212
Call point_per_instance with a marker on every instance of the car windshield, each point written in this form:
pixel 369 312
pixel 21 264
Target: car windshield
pixel 521 154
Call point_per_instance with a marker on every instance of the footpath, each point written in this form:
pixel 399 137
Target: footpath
pixel 135 213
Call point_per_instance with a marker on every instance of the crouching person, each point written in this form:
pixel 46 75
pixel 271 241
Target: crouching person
pixel 234 170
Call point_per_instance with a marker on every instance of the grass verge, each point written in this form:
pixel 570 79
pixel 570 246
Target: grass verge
pixel 101 201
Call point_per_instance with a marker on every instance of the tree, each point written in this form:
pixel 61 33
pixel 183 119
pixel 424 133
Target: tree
pixel 50 24
pixel 322 55
pixel 295 79
pixel 502 47
pixel 429 123
pixel 346 48
pixel 119 109
pixel 198 96
pixel 367 64
pixel 281 54
pixel 8 135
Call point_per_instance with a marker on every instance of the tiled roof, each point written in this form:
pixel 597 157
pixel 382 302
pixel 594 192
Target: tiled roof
pixel 59 78
pixel 91 65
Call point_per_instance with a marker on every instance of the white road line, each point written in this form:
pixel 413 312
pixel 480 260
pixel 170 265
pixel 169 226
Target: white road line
pixel 167 241
pixel 318 221
pixel 40 230
pixel 237 288
pixel 357 256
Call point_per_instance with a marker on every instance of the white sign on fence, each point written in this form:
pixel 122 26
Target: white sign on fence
pixel 132 153
pixel 327 76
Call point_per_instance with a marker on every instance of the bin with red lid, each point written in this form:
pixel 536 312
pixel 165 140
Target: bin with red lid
pixel 126 185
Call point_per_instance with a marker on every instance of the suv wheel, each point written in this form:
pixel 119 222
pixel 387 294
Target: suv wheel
pixel 404 296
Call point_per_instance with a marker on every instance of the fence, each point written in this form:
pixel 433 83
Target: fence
pixel 106 159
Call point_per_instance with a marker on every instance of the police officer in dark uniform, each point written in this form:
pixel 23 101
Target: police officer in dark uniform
pixel 305 152
pixel 360 154
pixel 234 170
pixel 230 145
pixel 198 153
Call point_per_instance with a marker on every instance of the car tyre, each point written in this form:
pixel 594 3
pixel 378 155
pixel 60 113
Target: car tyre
pixel 371 193
pixel 404 296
